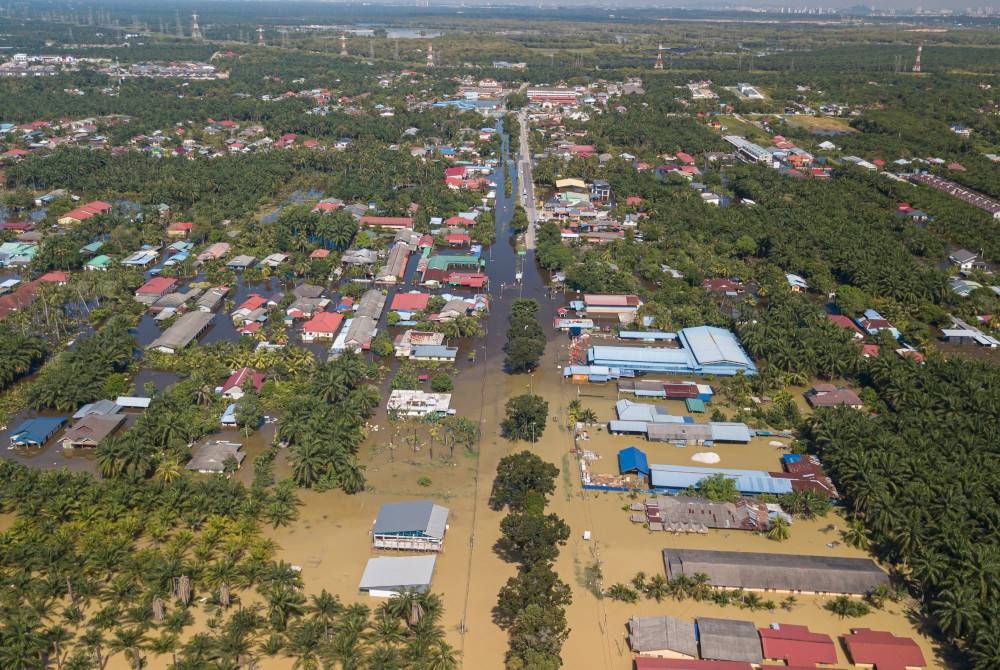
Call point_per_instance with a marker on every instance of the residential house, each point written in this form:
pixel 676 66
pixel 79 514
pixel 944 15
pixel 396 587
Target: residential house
pixel 409 339
pixel 180 229
pixel 154 289
pixel 211 457
pixel 84 212
pixel 872 323
pixel 416 403
pixel 102 263
pixel 408 304
pixel 429 352
pixel 91 429
pixel 796 283
pixel 239 381
pixel 418 525
pixel 828 395
pixel 323 326
pixel 394 222
pixel 963 259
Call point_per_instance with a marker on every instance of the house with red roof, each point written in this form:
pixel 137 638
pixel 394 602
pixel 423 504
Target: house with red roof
pixel 846 324
pixel 409 303
pixel 582 150
pixel 458 239
pixel 797 645
pixel 459 222
pixel 883 651
pixel 154 289
pixel 323 326
pixel 319 253
pixel 685 158
pixel 55 277
pixel 23 296
pixel 652 663
pixel 723 285
pixel 622 306
pixel 250 327
pixel 633 201
pixel 253 301
pixel 240 381
pixel 179 229
pixel 467 279
pixel 327 205
pixel 84 212
pixel 386 222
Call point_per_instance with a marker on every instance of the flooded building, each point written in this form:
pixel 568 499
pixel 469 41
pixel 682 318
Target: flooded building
pixel 182 332
pixel 385 576
pixel 417 525
pixel 785 573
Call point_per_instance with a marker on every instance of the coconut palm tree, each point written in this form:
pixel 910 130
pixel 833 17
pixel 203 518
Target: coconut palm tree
pixel 325 608
pixel 130 642
pixel 657 588
pixel 778 529
pixel 310 460
pixel 440 656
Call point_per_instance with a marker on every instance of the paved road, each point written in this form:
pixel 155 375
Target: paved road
pixel 525 180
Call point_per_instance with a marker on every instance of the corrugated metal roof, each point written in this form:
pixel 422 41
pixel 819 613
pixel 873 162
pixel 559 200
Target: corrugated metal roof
pixel 633 459
pixel 418 516
pixel 392 572
pixel 730 432
pixel 627 426
pixel 747 481
pixel 655 355
pixel 711 345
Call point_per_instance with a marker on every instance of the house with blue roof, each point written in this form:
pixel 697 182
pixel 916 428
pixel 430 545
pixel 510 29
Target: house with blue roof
pixel 37 431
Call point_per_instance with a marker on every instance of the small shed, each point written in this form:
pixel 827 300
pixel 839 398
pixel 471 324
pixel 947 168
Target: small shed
pixel 695 405
pixel 633 459
pixel 386 576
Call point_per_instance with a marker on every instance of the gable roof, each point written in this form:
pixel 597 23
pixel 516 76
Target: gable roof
pixel 324 322
pixel 729 640
pixel 797 645
pixel 633 459
pixel 241 377
pixel 660 633
pixel 412 517
pixel 883 650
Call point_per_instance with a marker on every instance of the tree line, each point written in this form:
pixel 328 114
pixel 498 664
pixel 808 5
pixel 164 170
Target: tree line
pixel 531 605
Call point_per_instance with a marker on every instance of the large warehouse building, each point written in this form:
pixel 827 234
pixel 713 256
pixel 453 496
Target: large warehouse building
pixel 777 572
pixel 705 350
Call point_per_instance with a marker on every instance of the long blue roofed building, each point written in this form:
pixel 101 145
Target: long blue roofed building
pixel 704 350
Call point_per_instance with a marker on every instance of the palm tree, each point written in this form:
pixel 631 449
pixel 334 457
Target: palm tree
pixel 325 608
pixel 129 642
pixel 440 656
pixel 856 535
pixel 310 461
pixel 166 643
pixel 283 603
pixel 167 469
pixel 657 588
pixel 779 529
